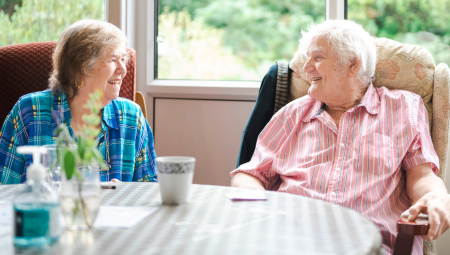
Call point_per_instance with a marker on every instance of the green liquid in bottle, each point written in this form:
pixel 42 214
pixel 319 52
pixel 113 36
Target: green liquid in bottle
pixel 36 224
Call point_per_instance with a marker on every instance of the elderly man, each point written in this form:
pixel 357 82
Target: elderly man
pixel 350 143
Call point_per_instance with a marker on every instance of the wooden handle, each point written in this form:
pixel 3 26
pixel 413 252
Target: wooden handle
pixel 418 227
pixel 406 232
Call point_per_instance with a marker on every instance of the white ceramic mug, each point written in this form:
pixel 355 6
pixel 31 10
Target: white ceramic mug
pixel 175 176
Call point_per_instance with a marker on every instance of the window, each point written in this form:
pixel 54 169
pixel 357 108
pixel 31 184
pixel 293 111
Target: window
pixel 424 23
pixel 43 20
pixel 229 39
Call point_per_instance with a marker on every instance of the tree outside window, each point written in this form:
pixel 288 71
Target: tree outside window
pixel 23 21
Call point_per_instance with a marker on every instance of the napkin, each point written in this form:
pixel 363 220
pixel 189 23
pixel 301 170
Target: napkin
pixel 122 216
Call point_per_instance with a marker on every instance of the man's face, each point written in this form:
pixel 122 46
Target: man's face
pixel 330 83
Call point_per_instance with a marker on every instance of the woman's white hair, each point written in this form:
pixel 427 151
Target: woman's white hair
pixel 348 40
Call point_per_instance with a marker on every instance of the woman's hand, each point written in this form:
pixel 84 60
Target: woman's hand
pixel 115 180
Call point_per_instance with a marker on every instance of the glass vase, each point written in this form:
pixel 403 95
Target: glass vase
pixel 80 199
pixel 54 170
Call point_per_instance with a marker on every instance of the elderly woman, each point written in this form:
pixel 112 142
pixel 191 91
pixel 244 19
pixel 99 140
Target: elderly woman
pixel 350 143
pixel 90 56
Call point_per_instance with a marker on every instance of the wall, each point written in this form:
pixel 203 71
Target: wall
pixel 209 130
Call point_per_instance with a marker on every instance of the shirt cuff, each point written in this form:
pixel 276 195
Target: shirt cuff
pixel 267 184
pixel 409 163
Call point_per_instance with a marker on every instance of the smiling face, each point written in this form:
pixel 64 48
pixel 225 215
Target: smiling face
pixel 107 74
pixel 330 84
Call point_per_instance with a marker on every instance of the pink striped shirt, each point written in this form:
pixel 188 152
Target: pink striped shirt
pixel 358 165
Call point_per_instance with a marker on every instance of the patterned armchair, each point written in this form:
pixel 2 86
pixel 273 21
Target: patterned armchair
pixel 26 68
pixel 407 67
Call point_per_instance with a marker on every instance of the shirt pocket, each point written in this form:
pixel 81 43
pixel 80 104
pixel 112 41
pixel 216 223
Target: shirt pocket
pixel 374 153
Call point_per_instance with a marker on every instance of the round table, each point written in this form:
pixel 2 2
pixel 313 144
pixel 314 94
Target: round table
pixel 212 224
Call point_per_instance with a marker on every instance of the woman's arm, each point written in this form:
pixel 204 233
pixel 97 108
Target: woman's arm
pixel 12 135
pixel 145 164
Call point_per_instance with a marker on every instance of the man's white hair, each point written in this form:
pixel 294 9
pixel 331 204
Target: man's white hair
pixel 348 40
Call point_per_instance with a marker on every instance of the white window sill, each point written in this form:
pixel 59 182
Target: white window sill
pixel 198 89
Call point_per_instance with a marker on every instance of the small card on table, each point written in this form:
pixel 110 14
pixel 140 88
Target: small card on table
pixel 247 196
pixel 121 216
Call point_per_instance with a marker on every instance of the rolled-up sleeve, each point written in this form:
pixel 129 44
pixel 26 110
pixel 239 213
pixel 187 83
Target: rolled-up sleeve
pixel 421 149
pixel 268 146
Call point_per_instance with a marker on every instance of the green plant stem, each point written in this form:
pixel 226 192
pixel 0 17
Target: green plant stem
pixel 83 204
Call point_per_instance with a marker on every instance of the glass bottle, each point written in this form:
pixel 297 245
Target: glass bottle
pixel 36 207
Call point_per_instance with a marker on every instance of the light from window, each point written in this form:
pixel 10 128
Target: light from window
pixel 424 23
pixel 229 39
pixel 25 21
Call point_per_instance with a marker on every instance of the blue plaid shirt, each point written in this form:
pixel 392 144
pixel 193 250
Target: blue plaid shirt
pixel 35 117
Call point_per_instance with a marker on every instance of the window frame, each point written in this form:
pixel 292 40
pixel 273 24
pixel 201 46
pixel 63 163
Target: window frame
pixel 138 20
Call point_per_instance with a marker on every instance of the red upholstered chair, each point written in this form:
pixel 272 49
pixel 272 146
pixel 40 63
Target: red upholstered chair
pixel 26 68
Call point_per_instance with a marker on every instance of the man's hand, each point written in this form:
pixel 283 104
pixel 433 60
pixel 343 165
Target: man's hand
pixel 437 205
pixel 429 196
pixel 115 180
pixel 244 180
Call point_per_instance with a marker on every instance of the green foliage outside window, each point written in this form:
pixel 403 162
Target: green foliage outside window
pixel 387 18
pixel 43 20
pixel 425 23
pixel 235 39
pixel 256 33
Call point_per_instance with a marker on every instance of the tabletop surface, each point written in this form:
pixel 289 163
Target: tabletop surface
pixel 212 224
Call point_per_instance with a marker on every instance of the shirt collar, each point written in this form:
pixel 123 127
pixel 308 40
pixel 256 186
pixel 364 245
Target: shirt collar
pixel 370 101
pixel 314 111
pixel 61 111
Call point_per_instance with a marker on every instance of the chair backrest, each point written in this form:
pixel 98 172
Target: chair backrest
pixel 406 67
pixel 26 68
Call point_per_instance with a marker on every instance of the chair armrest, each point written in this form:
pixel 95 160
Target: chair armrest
pixel 141 102
pixel 418 227
pixel 406 232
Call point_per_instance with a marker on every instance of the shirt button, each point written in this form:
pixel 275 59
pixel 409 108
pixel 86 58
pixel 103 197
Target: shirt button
pixel 333 193
pixel 338 169
pixel 342 145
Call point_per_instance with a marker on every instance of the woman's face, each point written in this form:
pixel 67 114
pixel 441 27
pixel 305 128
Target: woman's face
pixel 329 84
pixel 107 74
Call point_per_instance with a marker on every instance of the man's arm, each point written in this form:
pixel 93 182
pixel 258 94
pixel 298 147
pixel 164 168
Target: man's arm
pixel 428 195
pixel 270 141
pixel 244 180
